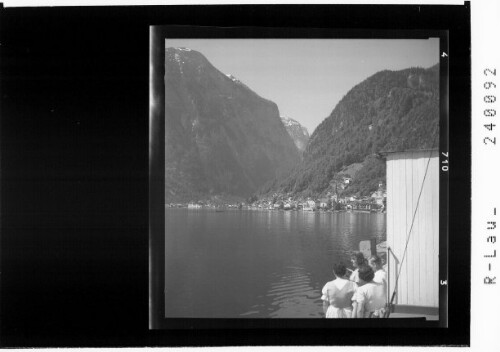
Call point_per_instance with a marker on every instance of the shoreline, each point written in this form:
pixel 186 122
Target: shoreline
pixel 234 207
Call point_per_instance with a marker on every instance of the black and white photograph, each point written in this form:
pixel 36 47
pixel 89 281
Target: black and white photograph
pixel 244 174
pixel 302 177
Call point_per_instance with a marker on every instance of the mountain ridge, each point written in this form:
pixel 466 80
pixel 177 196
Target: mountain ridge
pixel 390 110
pixel 221 137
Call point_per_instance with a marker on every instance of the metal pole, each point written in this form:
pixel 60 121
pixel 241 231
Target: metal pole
pixel 388 272
pixel 388 310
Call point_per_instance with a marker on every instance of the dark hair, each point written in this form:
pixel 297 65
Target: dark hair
pixel 366 273
pixel 339 269
pixel 359 257
pixel 376 259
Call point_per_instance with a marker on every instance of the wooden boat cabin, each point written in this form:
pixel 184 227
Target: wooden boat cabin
pixel 413 217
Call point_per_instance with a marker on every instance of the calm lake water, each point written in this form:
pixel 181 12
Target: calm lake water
pixel 257 263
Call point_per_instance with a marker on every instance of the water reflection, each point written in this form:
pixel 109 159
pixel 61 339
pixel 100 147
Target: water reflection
pixel 266 264
pixel 287 218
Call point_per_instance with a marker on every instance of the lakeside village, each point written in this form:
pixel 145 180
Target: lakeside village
pixel 331 201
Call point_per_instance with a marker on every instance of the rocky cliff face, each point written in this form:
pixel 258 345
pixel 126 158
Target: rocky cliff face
pixel 299 133
pixel 220 136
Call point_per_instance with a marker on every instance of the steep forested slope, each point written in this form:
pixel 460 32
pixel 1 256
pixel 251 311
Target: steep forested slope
pixel 389 111
pixel 220 136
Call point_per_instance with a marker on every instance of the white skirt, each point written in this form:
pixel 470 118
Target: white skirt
pixel 334 312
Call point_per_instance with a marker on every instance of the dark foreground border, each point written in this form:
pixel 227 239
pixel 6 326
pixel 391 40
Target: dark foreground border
pixel 75 174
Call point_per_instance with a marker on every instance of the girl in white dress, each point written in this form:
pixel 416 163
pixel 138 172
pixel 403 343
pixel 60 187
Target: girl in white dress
pixel 337 294
pixel 380 275
pixel 370 299
pixel 357 260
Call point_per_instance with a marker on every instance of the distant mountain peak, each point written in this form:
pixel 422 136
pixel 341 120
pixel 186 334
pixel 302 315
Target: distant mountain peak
pixel 288 121
pixel 233 78
pixel 180 48
pixel 299 133
pixel 185 53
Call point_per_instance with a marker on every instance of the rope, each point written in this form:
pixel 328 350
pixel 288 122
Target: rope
pixel 388 311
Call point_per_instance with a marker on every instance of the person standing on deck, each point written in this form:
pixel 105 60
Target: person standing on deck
pixel 369 300
pixel 337 294
pixel 380 275
pixel 357 260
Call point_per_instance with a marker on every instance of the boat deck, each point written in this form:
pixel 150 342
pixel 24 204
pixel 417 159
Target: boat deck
pixel 413 315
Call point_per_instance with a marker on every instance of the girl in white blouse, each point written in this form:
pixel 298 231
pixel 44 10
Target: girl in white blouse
pixel 357 260
pixel 370 299
pixel 337 294
pixel 380 275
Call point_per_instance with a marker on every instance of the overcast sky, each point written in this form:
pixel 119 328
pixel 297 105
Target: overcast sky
pixel 306 78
